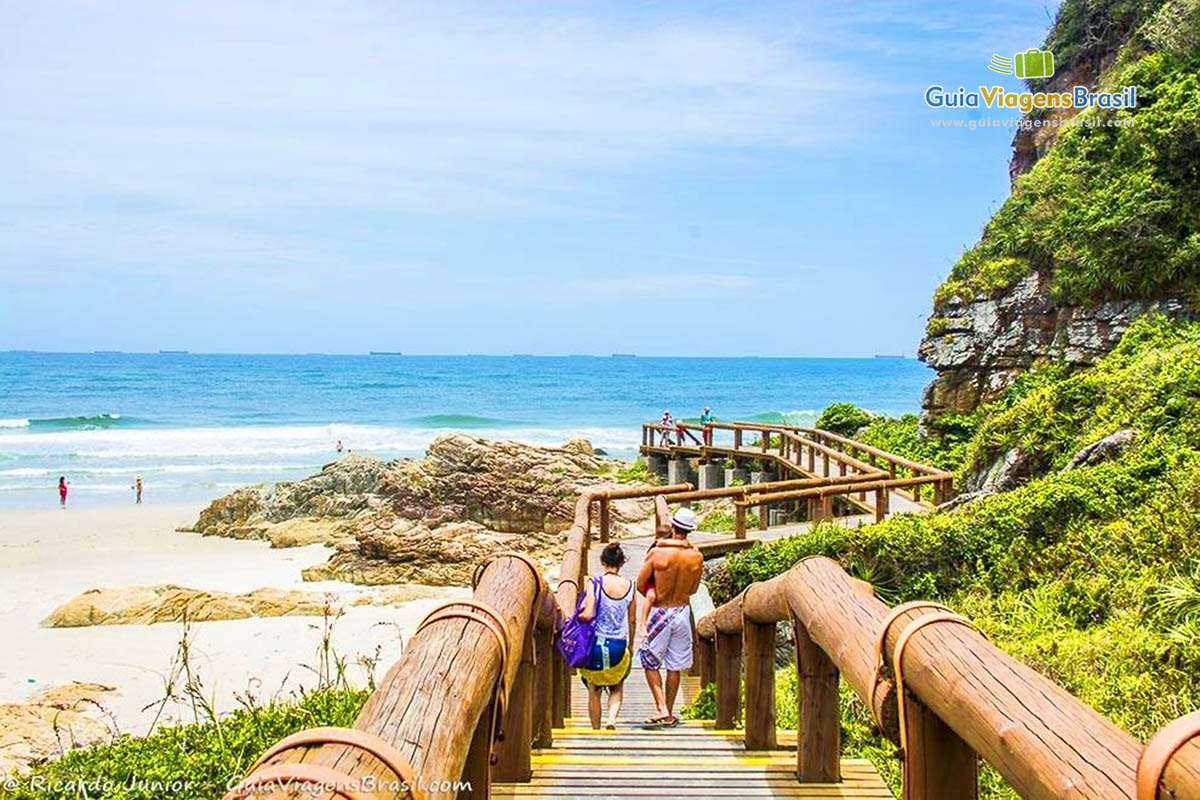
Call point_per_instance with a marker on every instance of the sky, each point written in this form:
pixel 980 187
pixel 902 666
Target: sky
pixel 660 178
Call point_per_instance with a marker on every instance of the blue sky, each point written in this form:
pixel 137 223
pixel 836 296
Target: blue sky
pixel 690 178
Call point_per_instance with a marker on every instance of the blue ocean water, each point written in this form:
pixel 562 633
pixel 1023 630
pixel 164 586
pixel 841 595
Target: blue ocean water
pixel 194 426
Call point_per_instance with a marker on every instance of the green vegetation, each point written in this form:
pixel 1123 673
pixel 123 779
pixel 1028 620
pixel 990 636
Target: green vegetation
pixel 1091 575
pixel 637 472
pixel 186 761
pixel 843 418
pixel 1108 211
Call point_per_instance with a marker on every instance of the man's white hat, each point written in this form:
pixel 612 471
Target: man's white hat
pixel 684 519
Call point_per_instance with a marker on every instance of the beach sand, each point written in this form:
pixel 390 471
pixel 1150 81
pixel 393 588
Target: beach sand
pixel 48 557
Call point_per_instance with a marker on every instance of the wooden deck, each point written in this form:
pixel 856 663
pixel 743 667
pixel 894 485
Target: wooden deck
pixel 693 760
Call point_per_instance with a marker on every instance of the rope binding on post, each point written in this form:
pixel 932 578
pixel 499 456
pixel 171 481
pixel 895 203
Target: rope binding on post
pixel 898 662
pixel 881 640
pixel 490 619
pixel 1160 750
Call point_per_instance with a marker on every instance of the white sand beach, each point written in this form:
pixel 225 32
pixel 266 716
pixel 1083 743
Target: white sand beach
pixel 48 557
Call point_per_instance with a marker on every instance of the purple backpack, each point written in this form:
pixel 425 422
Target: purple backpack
pixel 578 636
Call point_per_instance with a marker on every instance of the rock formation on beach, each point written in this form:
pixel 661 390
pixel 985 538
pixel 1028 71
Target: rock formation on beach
pixel 146 605
pixel 430 520
pixel 52 722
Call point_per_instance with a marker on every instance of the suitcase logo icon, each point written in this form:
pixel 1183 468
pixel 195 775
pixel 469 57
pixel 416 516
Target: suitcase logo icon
pixel 1032 63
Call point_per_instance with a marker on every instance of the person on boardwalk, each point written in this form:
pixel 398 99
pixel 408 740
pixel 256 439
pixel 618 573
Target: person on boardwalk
pixel 667 423
pixel 706 422
pixel 137 489
pixel 610 602
pixel 673 568
pixel 62 491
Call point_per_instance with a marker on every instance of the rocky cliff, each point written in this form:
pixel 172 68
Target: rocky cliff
pixel 979 346
pixel 431 520
pixel 1101 226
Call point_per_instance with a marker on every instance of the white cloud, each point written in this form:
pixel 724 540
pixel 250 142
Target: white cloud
pixel 430 107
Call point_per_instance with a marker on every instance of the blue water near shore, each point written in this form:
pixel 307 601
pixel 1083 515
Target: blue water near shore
pixel 194 426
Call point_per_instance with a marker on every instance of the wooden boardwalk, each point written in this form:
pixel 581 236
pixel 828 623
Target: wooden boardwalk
pixel 898 502
pixel 693 760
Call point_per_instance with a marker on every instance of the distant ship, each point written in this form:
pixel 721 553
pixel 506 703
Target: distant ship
pixel 106 352
pixel 624 355
pixel 172 352
pixel 386 353
pixel 877 355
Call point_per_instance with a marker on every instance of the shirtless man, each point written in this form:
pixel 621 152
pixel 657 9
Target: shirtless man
pixel 671 571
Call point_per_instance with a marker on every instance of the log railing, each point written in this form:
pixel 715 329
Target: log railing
pixel 800 449
pixel 478 686
pixel 962 698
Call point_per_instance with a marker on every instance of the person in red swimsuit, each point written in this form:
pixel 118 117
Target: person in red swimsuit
pixel 62 491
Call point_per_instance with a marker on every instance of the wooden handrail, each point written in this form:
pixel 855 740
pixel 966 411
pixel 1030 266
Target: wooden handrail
pixel 840 487
pixel 899 461
pixel 963 696
pixel 746 489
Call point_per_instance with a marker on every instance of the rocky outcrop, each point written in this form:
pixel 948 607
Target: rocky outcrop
pixel 1106 449
pixel 146 605
pixel 430 520
pixel 979 346
pixel 50 724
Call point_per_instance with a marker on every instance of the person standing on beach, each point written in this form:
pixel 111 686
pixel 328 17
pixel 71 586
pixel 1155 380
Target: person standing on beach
pixel 673 567
pixel 62 491
pixel 339 446
pixel 137 488
pixel 706 421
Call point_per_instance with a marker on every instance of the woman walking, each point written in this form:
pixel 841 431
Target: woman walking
pixel 62 491
pixel 610 602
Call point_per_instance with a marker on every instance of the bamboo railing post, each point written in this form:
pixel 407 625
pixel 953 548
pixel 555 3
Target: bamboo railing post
pixel 758 651
pixel 882 497
pixel 514 762
pixel 762 516
pixel 543 687
pixel 938 765
pixel 737 438
pixel 812 459
pixel 729 678
pixel 605 520
pixel 766 438
pixel 706 657
pixel 559 689
pixel 739 521
pixel 477 771
pixel 818 728
pixel 825 463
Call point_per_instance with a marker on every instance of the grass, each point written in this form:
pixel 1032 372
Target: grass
pixel 201 759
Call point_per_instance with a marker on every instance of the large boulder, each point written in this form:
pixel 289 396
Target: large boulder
pixel 58 719
pixel 146 605
pixel 1106 449
pixel 429 520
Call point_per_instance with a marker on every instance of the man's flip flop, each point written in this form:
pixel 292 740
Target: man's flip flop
pixel 670 722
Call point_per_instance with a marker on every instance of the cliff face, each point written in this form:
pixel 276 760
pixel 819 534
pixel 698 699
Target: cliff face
pixel 978 347
pixel 1101 226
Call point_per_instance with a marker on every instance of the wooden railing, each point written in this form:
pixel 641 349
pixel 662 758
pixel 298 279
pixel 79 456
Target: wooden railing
pixel 800 449
pixel 936 686
pixel 478 685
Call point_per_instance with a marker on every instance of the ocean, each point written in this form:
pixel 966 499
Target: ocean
pixel 195 426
